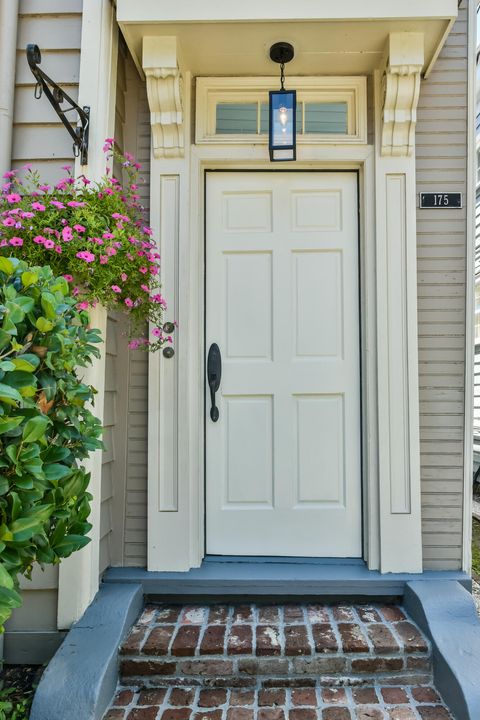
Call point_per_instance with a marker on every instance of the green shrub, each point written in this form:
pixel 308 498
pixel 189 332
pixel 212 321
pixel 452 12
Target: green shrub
pixel 46 428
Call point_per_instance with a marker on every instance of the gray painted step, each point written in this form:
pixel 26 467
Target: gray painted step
pixel 282 577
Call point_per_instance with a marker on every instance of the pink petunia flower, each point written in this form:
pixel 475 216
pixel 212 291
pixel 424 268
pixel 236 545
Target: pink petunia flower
pixel 9 222
pixel 124 277
pixel 158 332
pixel 145 288
pixel 85 255
pixel 67 234
pixel 38 206
pixel 103 259
pixel 79 228
pixel 58 249
pixel 39 239
pixel 128 302
pixel 16 241
pixel 49 244
pixel 45 188
pixel 134 344
pixel 111 251
pixel 143 270
pixel 13 198
pixel 56 203
pixel 75 203
pixel 116 289
pixel 9 174
pixel 108 236
pixel 68 277
pixel 82 305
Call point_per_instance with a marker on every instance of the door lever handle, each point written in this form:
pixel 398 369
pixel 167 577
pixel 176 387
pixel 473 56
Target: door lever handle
pixel 214 375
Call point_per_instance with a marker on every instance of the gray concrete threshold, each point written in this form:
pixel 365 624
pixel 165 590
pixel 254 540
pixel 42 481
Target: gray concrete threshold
pixel 282 578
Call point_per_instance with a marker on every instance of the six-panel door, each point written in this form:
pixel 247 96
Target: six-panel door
pixel 283 465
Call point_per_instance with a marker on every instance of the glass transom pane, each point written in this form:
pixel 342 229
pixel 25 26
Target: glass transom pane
pixel 326 118
pixel 237 118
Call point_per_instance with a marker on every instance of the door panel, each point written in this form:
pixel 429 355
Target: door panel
pixel 283 467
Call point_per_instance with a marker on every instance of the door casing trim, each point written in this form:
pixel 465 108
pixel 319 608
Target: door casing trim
pixel 176 539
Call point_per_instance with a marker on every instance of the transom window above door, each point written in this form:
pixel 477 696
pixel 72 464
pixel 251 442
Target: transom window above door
pixel 235 110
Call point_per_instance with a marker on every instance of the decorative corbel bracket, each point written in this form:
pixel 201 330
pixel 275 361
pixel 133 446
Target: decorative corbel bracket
pixel 164 91
pixel 401 86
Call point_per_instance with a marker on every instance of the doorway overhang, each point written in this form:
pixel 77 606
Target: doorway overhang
pixel 329 38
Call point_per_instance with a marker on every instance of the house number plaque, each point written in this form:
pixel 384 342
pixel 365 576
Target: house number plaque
pixel 441 200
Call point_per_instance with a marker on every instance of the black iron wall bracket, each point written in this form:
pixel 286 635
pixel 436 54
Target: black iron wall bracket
pixel 56 97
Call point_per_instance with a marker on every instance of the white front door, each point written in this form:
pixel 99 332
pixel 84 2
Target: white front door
pixel 283 461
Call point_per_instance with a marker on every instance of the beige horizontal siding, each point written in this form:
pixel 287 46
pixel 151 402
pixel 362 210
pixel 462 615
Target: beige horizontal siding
pixel 38 135
pixel 137 141
pixel 441 251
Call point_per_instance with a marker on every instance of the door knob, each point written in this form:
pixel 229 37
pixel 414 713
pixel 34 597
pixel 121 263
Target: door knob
pixel 214 375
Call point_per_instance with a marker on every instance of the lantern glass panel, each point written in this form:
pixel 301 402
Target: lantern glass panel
pixel 282 111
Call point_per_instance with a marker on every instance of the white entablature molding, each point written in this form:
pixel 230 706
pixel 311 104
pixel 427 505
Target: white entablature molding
pixel 401 88
pixel 164 91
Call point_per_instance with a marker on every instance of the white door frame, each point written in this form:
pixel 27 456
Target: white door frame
pixel 389 373
pixel 176 532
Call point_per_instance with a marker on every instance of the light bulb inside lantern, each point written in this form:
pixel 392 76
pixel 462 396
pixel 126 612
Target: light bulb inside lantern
pixel 283 118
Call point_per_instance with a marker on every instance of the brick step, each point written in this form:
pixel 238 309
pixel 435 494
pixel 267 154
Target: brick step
pixel 275 646
pixel 374 702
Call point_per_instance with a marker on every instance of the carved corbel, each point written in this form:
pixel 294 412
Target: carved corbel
pixel 164 92
pixel 401 87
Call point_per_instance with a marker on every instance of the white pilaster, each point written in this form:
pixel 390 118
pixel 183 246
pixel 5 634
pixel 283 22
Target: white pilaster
pixel 397 353
pixel 172 494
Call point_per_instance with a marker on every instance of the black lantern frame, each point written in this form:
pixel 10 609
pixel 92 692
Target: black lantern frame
pixel 285 100
pixel 282 110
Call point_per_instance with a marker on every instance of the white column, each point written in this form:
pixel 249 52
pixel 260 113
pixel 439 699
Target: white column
pixel 78 578
pixel 396 95
pixel 78 575
pixel 172 496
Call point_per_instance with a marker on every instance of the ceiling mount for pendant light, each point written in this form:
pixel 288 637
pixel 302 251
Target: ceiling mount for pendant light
pixel 282 109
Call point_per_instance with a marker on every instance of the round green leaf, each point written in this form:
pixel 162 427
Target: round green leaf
pixel 35 428
pixel 44 325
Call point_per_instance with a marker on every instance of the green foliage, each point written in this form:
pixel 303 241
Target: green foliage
pixel 46 427
pixel 476 549
pixel 12 708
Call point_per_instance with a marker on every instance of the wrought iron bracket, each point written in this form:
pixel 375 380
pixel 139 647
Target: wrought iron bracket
pixel 56 96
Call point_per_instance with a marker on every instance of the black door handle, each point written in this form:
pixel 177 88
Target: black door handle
pixel 214 375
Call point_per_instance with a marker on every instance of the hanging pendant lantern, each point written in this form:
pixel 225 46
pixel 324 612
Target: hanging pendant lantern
pixel 282 110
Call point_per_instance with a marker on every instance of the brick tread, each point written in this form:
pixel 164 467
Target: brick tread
pixel 373 702
pixel 275 641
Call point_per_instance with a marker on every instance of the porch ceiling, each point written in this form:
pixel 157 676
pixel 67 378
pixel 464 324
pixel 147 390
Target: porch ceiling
pixel 345 37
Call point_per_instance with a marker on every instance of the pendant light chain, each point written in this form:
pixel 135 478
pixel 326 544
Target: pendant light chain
pixel 282 75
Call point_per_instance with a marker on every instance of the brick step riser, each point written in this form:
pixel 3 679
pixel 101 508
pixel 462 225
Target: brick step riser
pixel 408 670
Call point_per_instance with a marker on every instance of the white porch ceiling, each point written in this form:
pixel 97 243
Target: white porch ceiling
pixel 330 37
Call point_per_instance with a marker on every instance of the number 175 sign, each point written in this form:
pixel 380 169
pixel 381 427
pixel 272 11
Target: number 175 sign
pixel 441 200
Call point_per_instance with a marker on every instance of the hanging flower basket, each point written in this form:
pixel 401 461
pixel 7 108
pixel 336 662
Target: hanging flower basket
pixel 95 235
